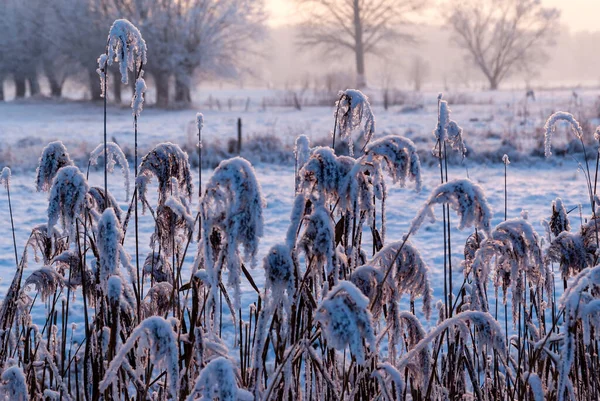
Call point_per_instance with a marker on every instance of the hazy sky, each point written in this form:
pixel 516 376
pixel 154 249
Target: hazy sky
pixel 578 15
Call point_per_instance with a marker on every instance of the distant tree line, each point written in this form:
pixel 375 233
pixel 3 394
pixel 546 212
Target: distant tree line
pixel 62 39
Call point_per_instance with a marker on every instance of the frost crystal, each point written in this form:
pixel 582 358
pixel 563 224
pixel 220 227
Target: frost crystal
pixel 114 156
pixel 126 46
pixel 53 158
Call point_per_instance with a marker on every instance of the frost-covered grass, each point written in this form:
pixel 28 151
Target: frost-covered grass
pixel 384 269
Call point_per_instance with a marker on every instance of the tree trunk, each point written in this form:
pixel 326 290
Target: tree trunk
pixel 34 84
pixel 182 90
pixel 95 89
pixel 1 88
pixel 116 80
pixel 20 86
pixel 359 51
pixel 161 82
pixel 493 83
pixel 56 86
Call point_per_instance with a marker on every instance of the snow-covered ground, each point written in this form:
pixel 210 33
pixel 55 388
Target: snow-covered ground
pixel 26 127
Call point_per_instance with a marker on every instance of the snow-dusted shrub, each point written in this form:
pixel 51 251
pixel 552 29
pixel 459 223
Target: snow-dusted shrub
pixel 67 198
pixel 346 320
pixel 354 113
pixel 156 336
pixel 53 158
pixel 113 157
pixel 465 197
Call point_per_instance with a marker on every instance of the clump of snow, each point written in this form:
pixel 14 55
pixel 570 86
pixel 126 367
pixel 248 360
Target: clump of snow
pixel 400 157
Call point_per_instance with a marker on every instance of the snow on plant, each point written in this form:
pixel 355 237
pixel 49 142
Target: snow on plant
pixel 46 281
pixel 158 267
pixel 399 155
pixel 97 201
pixel 114 156
pixel 569 250
pixel 67 198
pixel 158 300
pixel 410 274
pixel 13 386
pixel 329 178
pixel 354 113
pixel 137 102
pixel 517 251
pixel 164 162
pixel 54 157
pixel 346 320
pixel 5 177
pixel 125 46
pixel 232 205
pixel 579 302
pixel 487 332
pixel 218 381
pixel 465 197
pixel 447 130
pixel 156 336
pixel 550 124
pixel 301 156
pixel 318 239
pixel 280 275
pixel 559 221
pixel 420 368
pixel 110 250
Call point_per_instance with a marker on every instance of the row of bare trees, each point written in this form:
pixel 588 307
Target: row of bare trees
pixel 188 39
pixel 501 37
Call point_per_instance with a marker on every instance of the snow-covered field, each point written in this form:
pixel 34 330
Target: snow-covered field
pixel 489 120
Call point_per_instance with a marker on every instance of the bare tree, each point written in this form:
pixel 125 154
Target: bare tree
pixel 503 35
pixel 360 26
pixel 418 71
